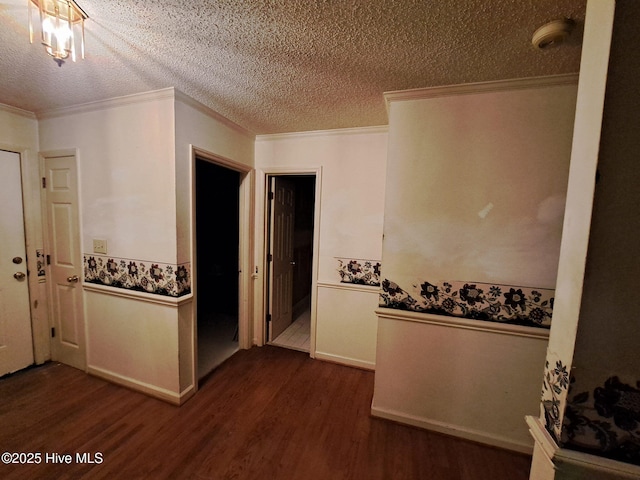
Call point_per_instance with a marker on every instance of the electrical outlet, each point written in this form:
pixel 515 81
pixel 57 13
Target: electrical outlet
pixel 99 246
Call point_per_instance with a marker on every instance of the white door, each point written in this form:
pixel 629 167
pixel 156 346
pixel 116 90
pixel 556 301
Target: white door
pixel 281 279
pixel 65 269
pixel 16 341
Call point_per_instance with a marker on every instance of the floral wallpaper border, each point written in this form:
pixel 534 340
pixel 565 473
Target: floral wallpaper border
pixel 140 275
pixel 40 262
pixel 604 420
pixel 555 386
pixel 480 301
pixel 360 272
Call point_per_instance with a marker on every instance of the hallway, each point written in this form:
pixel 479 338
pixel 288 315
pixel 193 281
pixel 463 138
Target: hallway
pixel 297 336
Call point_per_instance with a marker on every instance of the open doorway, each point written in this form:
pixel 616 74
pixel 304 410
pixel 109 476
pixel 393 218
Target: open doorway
pixel 217 214
pixel 291 212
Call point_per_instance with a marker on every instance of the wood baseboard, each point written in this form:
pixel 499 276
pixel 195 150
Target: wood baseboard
pixel 142 387
pixel 452 430
pixel 350 362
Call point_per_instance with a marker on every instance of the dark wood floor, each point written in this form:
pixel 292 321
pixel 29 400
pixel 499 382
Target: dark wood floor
pixel 266 413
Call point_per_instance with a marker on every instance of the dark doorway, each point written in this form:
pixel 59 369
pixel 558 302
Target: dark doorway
pixel 296 335
pixel 217 250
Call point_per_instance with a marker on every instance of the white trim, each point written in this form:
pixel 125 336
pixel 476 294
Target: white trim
pixel 261 300
pixel 246 224
pixel 219 160
pixel 143 387
pixel 453 430
pixel 161 94
pixel 186 99
pixel 136 295
pixel 348 361
pixel 324 133
pixel 17 111
pixel 480 87
pixel 351 287
pixel 594 463
pixel 42 168
pixel 164 93
pixel 541 436
pixel 467 324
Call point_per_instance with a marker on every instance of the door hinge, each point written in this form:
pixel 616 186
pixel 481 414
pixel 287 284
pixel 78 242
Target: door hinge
pixel 269 257
pixel 268 317
pixel 271 195
pixel 48 259
pixel 53 332
pixel 44 182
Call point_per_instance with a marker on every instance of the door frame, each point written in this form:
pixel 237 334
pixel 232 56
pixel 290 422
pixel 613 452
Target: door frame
pixel 43 155
pixel 262 244
pixel 245 250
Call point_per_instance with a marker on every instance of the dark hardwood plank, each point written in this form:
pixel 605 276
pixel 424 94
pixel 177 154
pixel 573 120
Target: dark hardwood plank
pixel 266 413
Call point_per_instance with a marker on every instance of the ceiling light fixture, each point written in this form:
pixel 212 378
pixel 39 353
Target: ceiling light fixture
pixel 552 33
pixel 60 21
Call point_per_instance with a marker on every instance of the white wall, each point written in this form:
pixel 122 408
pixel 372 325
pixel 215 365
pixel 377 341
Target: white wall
pixel 352 166
pixel 450 158
pixel 202 128
pixel 126 163
pixel 133 342
pixel 134 157
pixel 346 329
pixel 458 379
pixel 476 182
pixel 126 170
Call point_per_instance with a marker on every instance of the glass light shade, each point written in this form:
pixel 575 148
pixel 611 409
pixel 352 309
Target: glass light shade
pixel 60 21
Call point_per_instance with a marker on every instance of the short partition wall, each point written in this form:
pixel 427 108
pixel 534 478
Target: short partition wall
pixel 475 380
pixel 141 341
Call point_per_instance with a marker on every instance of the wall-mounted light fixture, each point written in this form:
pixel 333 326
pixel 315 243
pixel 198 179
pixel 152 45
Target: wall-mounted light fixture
pixel 60 21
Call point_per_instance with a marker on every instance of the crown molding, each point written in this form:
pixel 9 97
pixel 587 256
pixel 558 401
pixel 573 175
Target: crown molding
pixel 17 111
pixel 165 93
pixel 480 87
pixel 186 99
pixel 324 133
pixel 154 95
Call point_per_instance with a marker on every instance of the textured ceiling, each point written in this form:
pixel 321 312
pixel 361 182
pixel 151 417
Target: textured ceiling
pixel 285 65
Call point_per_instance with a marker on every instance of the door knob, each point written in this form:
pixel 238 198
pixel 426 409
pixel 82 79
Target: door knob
pixel 19 276
pixel 73 279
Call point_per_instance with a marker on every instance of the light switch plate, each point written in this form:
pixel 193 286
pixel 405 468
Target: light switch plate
pixel 99 246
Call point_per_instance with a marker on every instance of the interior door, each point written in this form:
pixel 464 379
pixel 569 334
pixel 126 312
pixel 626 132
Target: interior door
pixel 65 269
pixel 281 246
pixel 16 342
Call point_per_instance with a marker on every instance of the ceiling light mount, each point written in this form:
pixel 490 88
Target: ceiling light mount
pixel 60 22
pixel 552 33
